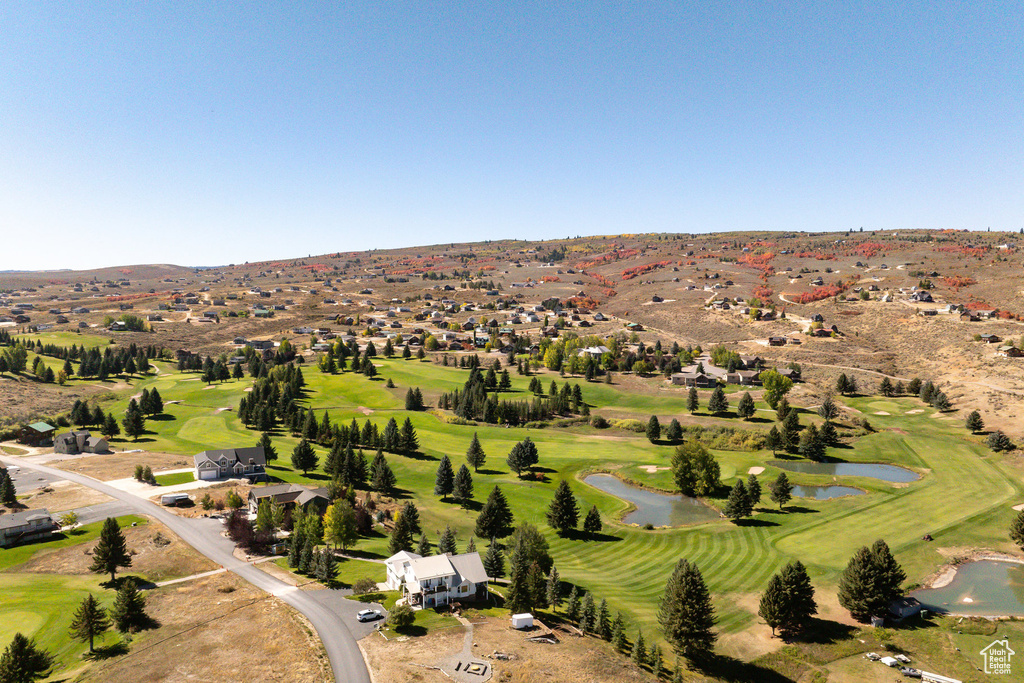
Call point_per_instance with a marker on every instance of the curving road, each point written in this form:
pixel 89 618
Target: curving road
pixel 328 612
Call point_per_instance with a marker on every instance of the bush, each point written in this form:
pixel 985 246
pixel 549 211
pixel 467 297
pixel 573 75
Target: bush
pixel 401 617
pixel 598 422
pixel 630 425
pixel 365 585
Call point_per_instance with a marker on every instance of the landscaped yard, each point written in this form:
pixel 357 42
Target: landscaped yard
pixel 176 478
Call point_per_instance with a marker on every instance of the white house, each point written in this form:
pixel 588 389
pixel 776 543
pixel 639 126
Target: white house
pixel 438 579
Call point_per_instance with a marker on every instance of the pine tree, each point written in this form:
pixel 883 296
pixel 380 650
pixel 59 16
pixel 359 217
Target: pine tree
pixel 462 488
pixel 572 605
pixel 718 403
pixel 8 493
pixel 745 408
pixel 800 603
pixel 294 551
pixel 998 441
pixel 444 480
pixel 495 519
pixel 780 490
pixel 674 432
pixel 518 598
pixel 23 662
pixel 870 582
pixel 810 444
pixel 588 613
pixel 89 621
pixel 773 440
pixel 494 561
pixel 129 609
pixel 327 568
pixel 111 552
pixel 475 454
pixel 693 401
pixel 592 522
pixel 382 479
pixel 655 662
pixel 653 430
pixel 782 410
pixel 412 516
pixel 639 655
pixel 424 549
pixel 974 422
pixel 553 589
pixel 471 546
pixel 603 624
pixel 772 607
pixel 686 614
pixel 409 443
pixel 401 536
pixel 738 504
pixel 304 457
pixel 446 543
pixel 563 513
pixel 1017 530
pixel 753 491
pixel 134 421
pixel 885 387
pixel 619 632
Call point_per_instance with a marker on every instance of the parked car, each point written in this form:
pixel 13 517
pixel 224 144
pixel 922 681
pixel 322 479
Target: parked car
pixel 368 615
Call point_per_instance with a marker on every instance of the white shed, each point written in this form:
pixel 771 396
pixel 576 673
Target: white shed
pixel 174 498
pixel 522 620
pixel 890 661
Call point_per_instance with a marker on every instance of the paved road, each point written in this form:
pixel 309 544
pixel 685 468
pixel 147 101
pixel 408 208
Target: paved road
pixel 329 616
pixel 100 511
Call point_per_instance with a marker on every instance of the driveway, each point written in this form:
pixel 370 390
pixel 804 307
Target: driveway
pixel 328 616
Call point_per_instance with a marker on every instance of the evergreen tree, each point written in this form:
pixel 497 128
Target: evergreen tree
pixel 327 568
pixel 110 428
pixel 718 403
pixel 745 408
pixel 810 444
pixel 772 607
pixel 518 598
pixel 401 536
pixel 655 662
pixel 870 582
pixel 693 401
pixel 998 441
pixel 23 662
pixel 592 522
pixel 89 621
pixel 471 546
pixel 294 551
pixel 444 480
pixel 494 561
pixel 134 421
pixel 619 632
pixel 885 387
pixel 475 454
pixel 828 410
pixel 382 478
pixel 974 422
pixel 842 384
pixel 304 457
pixel 129 609
pixel 424 548
pixel 1017 530
pixel 553 589
pixel 800 603
pixel 306 558
pixel 407 438
pixel 780 490
pixel 686 614
pixel 653 430
pixel 412 516
pixel 588 613
pixel 753 491
pixel 495 519
pixel 8 494
pixel 572 605
pixel 563 512
pixel 111 552
pixel 639 654
pixel 674 433
pixel 782 409
pixel 773 440
pixel 827 435
pixel 446 543
pixel 462 488
pixel 738 505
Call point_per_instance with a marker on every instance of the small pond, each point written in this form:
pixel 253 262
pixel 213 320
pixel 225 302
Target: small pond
pixel 825 492
pixel 657 509
pixel 982 588
pixel 849 469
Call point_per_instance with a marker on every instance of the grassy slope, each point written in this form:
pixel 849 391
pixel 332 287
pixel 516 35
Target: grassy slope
pixel 631 567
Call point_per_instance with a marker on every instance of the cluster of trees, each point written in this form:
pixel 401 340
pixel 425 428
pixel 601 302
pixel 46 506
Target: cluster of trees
pixel 458 485
pixel 743 498
pixel 273 398
pixel 870 582
pixel 127 614
pixel 996 440
pixel 695 470
pixel 923 389
pixel 673 433
pixel 564 513
pixel 787 603
pixel 473 402
pixel 144 474
pixel 8 492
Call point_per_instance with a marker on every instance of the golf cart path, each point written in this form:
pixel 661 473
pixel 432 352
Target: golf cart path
pixel 329 616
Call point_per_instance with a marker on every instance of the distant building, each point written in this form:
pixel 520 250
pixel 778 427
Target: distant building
pixel 25 526
pixel 80 441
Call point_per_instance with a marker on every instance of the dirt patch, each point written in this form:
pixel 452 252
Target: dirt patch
pixel 157 554
pixel 572 659
pixel 365 411
pixel 64 495
pixel 109 466
pixel 208 631
pixel 218 494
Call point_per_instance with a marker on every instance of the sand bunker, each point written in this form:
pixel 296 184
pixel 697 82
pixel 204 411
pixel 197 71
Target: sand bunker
pixel 755 470
pixel 651 469
pixel 881 412
pixel 915 411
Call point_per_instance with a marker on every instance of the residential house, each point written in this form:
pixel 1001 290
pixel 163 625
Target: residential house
pixel 694 379
pixel 776 341
pixel 991 338
pixel 289 496
pixel 1010 351
pixel 438 579
pixel 25 526
pixel 36 434
pixel 225 463
pixel 79 441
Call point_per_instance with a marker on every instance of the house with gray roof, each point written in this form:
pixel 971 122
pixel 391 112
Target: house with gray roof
pixel 438 579
pixel 25 526
pixel 226 463
pixel 289 496
pixel 79 441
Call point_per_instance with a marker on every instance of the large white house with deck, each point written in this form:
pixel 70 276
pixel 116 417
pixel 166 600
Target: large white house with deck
pixel 438 579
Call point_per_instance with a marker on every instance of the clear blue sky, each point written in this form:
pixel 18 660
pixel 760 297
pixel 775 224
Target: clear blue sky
pixel 210 133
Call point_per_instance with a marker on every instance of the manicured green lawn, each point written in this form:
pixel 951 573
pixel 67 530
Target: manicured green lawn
pixel 176 478
pixel 963 498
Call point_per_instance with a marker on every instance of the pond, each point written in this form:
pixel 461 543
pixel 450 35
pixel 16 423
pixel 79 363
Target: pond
pixel 825 492
pixel 983 588
pixel 849 469
pixel 657 509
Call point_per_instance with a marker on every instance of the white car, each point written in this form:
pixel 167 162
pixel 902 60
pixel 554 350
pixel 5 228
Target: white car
pixel 368 615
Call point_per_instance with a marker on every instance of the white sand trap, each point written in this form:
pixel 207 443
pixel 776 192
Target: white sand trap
pixel 755 470
pixel 881 412
pixel 209 386
pixel 1018 508
pixel 365 411
pixel 968 600
pixel 247 389
pixel 915 411
pixel 651 469
pixel 221 410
